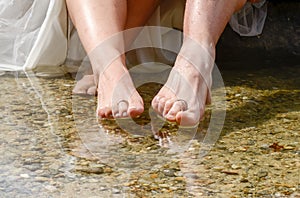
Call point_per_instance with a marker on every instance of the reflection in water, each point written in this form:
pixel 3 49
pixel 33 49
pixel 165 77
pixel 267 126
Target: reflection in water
pixel 52 144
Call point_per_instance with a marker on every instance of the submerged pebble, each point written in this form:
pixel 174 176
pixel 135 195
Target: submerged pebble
pixel 51 145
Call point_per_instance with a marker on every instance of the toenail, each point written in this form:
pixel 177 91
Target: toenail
pixel 130 108
pixel 168 116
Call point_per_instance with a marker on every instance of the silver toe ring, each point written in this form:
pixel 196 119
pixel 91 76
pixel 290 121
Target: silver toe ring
pixel 185 105
pixel 116 112
pixel 125 101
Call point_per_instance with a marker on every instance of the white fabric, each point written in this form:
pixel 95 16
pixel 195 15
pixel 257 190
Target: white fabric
pixel 34 32
pixel 250 20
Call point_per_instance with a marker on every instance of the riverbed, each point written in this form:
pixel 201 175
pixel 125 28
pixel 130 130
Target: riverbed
pixel 52 144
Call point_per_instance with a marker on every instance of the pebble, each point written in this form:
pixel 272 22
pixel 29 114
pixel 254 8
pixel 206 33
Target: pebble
pixel 180 179
pixel 229 172
pixel 218 168
pixel 50 188
pixel 288 148
pixel 169 172
pixel 264 146
pixel 277 194
pixel 41 179
pixel 93 180
pixel 233 166
pixel 163 185
pixel 24 175
pixel 93 170
pixel 244 180
pixel 244 156
pixel 262 173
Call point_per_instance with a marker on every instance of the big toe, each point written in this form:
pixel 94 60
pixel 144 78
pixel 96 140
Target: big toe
pixel 187 118
pixel 136 108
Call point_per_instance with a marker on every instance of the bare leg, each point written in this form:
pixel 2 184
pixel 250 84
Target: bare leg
pixel 97 20
pixel 204 22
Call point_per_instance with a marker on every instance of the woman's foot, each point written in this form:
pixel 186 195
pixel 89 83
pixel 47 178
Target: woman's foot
pixel 85 86
pixel 117 96
pixel 182 99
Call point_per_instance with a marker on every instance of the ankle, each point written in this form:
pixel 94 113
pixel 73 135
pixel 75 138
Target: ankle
pixel 113 74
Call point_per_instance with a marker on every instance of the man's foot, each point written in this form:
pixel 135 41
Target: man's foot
pixel 182 99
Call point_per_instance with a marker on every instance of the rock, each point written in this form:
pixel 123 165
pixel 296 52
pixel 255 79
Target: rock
pixel 218 168
pixel 50 188
pixel 233 166
pixel 244 180
pixel 41 179
pixel 229 172
pixel 169 172
pixel 24 175
pixel 180 179
pixel 262 173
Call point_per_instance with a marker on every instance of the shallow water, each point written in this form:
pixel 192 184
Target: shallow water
pixel 52 145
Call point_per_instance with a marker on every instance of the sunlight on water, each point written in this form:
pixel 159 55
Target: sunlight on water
pixel 52 143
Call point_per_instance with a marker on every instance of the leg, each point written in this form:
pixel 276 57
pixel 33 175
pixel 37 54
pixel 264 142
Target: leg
pixel 138 12
pixel 204 22
pixel 96 21
pixel 89 20
pixel 92 16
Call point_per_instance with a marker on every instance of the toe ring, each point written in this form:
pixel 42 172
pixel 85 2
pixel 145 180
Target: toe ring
pixel 185 105
pixel 125 101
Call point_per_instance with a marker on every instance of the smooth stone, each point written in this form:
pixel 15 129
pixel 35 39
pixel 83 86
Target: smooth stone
pixel 262 173
pixel 24 175
pixel 169 172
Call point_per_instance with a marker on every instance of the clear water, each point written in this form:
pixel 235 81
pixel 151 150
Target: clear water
pixel 52 145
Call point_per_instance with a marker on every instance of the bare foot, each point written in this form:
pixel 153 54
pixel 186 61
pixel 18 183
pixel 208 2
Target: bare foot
pixel 85 86
pixel 182 99
pixel 117 96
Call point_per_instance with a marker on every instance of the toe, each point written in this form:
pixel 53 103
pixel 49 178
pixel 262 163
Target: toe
pixel 168 105
pixel 79 90
pixel 83 85
pixel 136 108
pixel 135 111
pixel 122 108
pixel 92 91
pixel 104 112
pixel 185 118
pixel 176 107
pixel 155 103
pixel 161 105
pixel 100 112
pixel 108 112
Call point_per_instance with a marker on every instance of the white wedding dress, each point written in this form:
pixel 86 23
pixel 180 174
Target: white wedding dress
pixel 38 32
